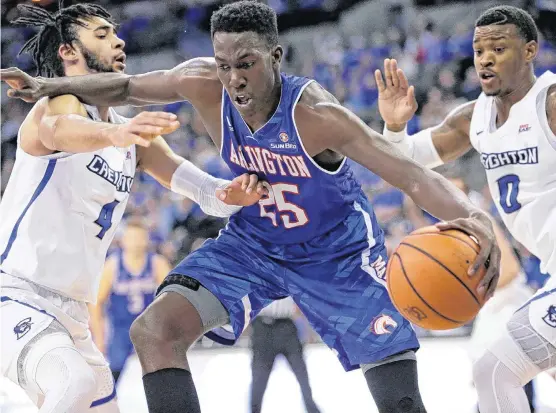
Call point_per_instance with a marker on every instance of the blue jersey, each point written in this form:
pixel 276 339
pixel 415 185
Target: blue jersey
pixel 305 200
pixel 131 293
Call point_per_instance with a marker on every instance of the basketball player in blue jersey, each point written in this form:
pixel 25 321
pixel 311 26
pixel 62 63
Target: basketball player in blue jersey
pixel 129 281
pixel 314 237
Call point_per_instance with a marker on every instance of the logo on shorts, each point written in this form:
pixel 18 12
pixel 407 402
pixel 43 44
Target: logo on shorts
pixel 23 327
pixel 550 317
pixel 383 324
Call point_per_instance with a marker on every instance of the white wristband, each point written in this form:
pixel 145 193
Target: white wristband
pixel 418 147
pixel 400 140
pixel 197 185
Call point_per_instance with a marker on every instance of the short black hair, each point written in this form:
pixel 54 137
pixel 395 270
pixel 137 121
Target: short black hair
pixel 246 16
pixel 510 15
pixel 54 30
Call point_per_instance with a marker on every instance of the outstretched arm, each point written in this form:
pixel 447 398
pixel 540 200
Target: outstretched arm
pixel 397 105
pixel 62 124
pixel 336 128
pixel 192 80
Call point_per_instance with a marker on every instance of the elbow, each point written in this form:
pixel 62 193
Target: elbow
pixel 49 131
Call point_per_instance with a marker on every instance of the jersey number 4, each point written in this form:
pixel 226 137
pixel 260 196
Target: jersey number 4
pixel 104 219
pixel 291 215
pixel 509 189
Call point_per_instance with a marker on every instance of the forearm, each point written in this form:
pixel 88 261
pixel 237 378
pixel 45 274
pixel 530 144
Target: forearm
pixel 117 89
pixel 199 186
pixel 74 133
pixel 435 194
pixel 103 89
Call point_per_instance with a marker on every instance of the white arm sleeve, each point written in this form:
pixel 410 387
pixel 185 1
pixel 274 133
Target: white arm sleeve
pixel 418 147
pixel 197 185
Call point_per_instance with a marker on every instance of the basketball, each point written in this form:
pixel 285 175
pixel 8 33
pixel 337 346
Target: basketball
pixel 428 281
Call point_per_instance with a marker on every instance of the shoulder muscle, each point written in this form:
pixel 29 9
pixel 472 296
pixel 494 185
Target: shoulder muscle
pixel 197 79
pixel 65 105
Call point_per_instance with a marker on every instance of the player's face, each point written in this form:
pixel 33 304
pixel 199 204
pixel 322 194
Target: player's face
pixel 100 46
pixel 135 239
pixel 249 70
pixel 502 58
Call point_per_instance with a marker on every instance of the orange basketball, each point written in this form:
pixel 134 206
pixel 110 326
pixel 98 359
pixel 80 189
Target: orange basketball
pixel 428 281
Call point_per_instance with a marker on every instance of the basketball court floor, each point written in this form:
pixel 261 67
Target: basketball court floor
pixel 223 378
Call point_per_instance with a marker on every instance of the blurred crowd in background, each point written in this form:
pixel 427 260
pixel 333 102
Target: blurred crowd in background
pixel 340 44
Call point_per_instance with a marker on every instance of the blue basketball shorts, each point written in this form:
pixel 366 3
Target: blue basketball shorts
pixel 336 279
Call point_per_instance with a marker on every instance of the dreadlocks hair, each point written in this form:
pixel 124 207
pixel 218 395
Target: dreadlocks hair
pixel 54 30
pixel 246 16
pixel 510 15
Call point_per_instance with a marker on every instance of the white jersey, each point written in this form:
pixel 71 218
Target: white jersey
pixel 520 163
pixel 59 214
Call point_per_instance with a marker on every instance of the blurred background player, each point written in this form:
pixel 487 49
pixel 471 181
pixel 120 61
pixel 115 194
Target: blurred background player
pixel 129 280
pixel 73 173
pixel 275 332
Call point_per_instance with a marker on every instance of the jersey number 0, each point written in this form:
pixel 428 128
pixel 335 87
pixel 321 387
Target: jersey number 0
pixel 508 185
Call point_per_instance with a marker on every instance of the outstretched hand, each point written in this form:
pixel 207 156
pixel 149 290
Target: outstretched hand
pixel 396 99
pixel 23 86
pixel 244 190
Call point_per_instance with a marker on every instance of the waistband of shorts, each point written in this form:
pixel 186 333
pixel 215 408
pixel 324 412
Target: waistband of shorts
pixel 11 281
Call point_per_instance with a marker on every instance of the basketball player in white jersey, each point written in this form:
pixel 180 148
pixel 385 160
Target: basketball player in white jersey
pixel 513 127
pixel 67 193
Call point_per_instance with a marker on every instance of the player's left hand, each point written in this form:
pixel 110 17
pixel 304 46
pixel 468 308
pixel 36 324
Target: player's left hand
pixel 480 227
pixel 244 190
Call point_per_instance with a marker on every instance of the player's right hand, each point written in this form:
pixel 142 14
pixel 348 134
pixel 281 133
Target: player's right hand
pixel 396 99
pixel 244 190
pixel 142 129
pixel 23 86
pixel 479 226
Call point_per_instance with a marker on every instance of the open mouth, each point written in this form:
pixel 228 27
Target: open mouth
pixel 487 75
pixel 242 100
pixel 120 59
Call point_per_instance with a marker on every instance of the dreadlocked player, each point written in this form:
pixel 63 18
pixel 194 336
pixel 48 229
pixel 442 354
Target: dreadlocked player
pixel 70 184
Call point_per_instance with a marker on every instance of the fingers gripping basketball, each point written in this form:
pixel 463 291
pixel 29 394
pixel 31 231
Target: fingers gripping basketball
pixel 428 280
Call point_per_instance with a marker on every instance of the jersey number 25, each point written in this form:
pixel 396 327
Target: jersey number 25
pixel 283 208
